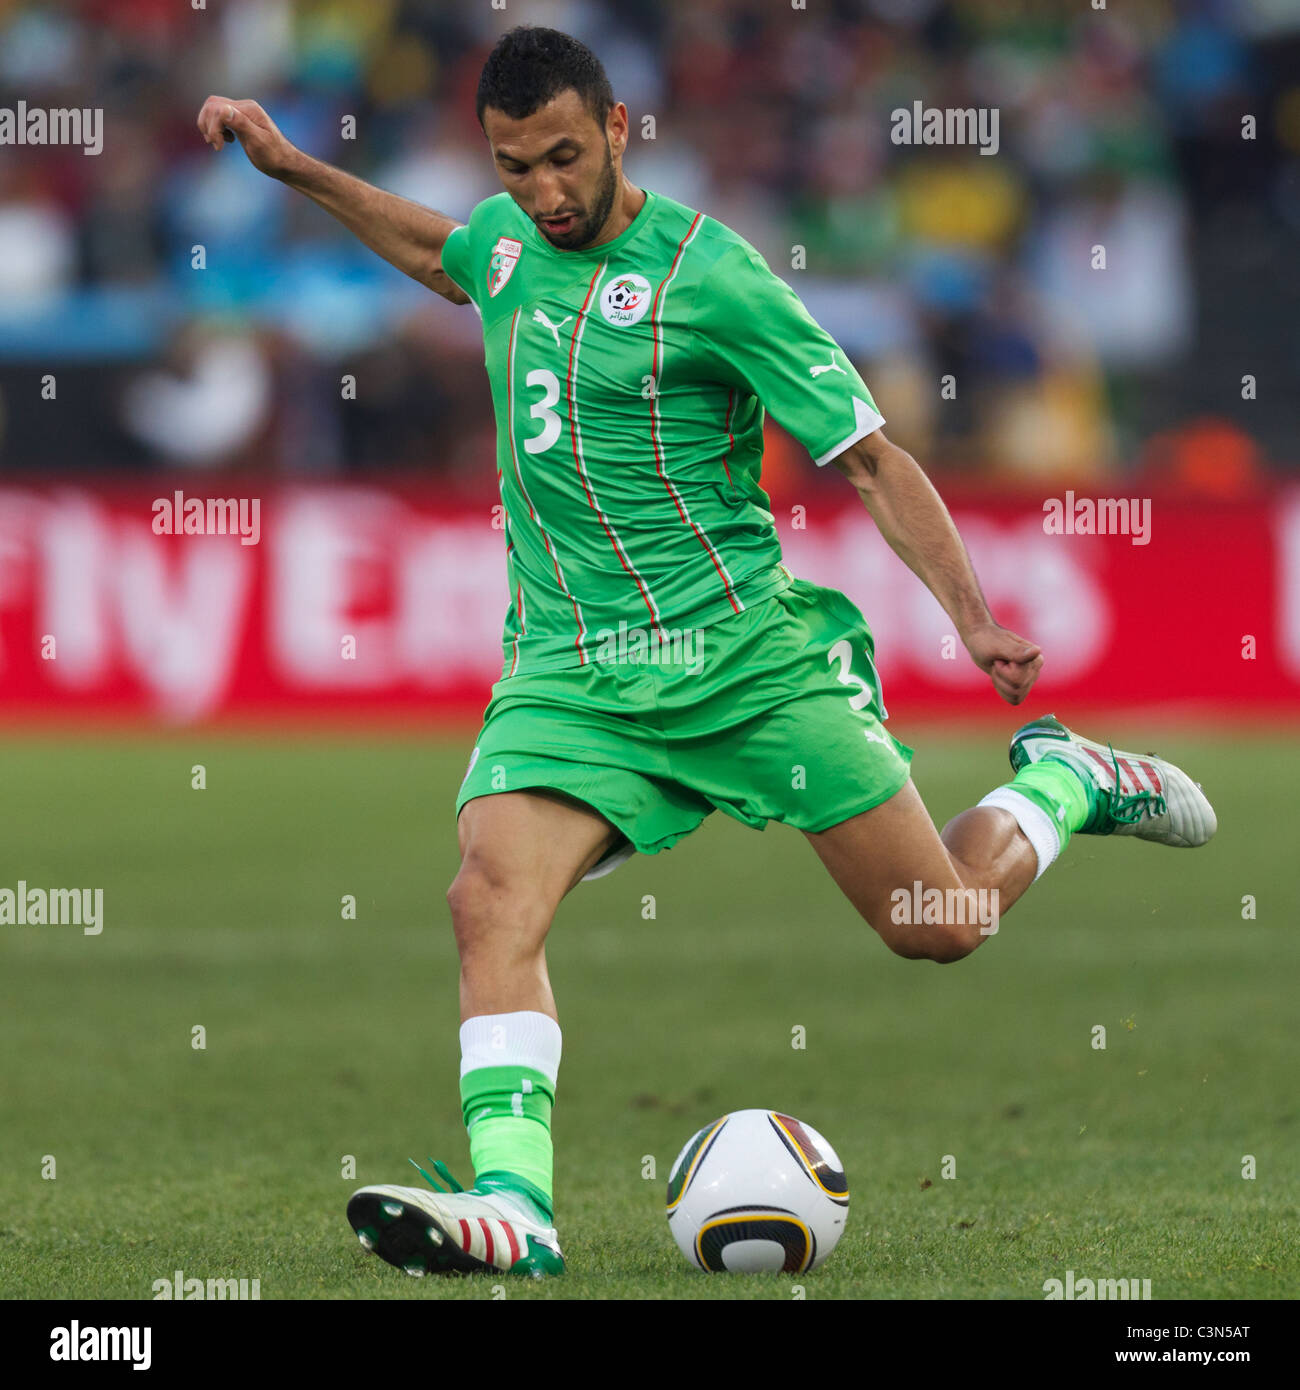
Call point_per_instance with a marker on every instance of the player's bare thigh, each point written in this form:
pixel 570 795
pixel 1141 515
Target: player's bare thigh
pixel 539 838
pixel 895 846
pixel 521 852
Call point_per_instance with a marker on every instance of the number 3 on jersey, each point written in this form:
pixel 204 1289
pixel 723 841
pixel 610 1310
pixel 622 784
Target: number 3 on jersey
pixel 544 410
pixel 842 652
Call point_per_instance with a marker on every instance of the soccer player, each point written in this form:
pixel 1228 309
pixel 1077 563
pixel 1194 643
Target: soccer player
pixel 660 662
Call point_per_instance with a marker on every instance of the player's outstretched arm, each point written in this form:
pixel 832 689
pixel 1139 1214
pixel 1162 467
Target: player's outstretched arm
pixel 911 516
pixel 404 233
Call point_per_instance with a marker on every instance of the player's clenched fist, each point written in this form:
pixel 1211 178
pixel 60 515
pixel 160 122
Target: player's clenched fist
pixel 223 119
pixel 1010 661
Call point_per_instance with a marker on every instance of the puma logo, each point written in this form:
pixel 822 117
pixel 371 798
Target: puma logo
pixel 540 317
pixel 831 366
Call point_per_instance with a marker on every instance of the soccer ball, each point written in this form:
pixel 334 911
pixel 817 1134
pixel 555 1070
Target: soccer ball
pixel 757 1190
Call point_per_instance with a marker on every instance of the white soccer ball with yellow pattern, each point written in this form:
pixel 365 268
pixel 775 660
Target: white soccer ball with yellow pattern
pixel 757 1191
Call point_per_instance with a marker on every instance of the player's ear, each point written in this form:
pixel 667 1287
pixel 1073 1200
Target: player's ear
pixel 616 128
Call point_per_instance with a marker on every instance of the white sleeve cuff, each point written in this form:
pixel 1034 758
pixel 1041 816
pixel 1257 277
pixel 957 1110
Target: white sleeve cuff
pixel 868 421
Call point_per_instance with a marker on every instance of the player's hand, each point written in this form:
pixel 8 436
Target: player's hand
pixel 1009 661
pixel 262 142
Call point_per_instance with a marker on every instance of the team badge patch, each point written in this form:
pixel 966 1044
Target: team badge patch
pixel 505 256
pixel 625 299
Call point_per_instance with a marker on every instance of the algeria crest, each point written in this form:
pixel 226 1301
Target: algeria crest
pixel 505 256
pixel 625 300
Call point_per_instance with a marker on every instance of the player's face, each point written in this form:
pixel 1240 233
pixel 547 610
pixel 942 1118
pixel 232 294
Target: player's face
pixel 560 166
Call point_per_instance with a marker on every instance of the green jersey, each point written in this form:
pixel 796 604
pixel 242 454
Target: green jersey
pixel 629 382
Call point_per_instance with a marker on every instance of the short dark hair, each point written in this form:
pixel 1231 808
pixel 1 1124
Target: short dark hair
pixel 530 66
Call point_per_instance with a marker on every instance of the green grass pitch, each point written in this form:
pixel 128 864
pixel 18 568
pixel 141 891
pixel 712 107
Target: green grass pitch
pixel 327 1037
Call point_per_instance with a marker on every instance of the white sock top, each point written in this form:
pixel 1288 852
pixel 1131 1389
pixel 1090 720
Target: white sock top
pixel 1033 820
pixel 525 1039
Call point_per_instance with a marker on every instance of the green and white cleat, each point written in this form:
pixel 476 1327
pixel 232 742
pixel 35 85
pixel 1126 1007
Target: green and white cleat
pixel 498 1231
pixel 1128 793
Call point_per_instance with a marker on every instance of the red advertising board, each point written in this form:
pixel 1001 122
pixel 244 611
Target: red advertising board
pixel 362 601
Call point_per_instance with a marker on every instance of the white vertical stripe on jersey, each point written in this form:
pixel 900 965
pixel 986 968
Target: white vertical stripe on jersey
pixel 578 332
pixel 532 510
pixel 657 434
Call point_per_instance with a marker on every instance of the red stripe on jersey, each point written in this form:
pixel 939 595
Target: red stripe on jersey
pixel 514 458
pixel 523 627
pixel 564 588
pixel 654 357
pixel 510 401
pixel 487 1236
pixel 577 641
pixel 654 434
pixel 577 461
pixel 731 438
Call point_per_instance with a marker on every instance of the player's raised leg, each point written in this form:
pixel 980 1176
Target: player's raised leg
pixel 930 897
pixel 937 897
pixel 521 852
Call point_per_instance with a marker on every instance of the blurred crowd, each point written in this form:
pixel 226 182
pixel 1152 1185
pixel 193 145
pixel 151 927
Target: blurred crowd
pixel 194 314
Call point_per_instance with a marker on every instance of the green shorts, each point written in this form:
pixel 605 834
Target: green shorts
pixel 773 714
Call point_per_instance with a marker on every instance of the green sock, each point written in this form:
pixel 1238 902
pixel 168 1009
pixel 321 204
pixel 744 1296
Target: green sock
pixel 507 1112
pixel 1057 789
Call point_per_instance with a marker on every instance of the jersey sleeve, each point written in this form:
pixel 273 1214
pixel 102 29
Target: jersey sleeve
pixel 751 330
pixel 456 260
